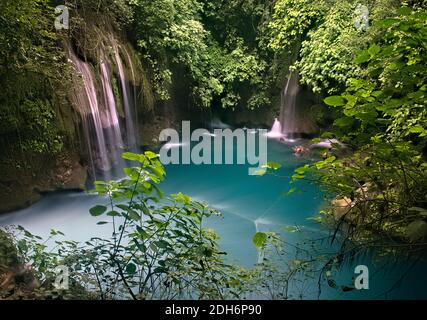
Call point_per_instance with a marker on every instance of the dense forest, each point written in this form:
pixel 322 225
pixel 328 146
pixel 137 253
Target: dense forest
pixel 361 71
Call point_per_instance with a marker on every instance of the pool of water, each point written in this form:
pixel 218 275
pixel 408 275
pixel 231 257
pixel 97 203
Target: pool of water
pixel 249 204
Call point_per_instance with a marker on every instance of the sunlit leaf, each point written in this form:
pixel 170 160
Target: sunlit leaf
pixel 335 101
pixel 260 239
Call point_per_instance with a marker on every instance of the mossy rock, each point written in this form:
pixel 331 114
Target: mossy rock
pixel 417 231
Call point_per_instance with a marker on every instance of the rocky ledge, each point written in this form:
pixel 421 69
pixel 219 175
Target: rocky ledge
pixel 22 186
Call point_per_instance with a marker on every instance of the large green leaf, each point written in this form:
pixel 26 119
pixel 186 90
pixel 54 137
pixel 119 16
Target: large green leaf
pixel 387 22
pixel 374 50
pixel 113 214
pixel 362 57
pixel 131 156
pixel 131 268
pixel 98 211
pixel 260 240
pixel 344 122
pixel 335 101
pixel 134 215
pixel 182 198
pixel 416 129
pixel 272 166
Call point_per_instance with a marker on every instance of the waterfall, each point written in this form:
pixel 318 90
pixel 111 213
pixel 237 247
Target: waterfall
pixel 135 95
pixel 131 133
pixel 287 127
pixel 276 130
pixel 112 122
pixel 288 112
pixel 104 128
pixel 89 107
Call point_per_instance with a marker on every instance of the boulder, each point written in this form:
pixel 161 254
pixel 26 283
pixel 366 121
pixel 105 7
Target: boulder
pixel 343 207
pixel 417 231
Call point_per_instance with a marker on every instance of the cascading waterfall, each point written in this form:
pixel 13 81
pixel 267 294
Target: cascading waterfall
pixel 93 128
pixel 288 112
pixel 133 73
pixel 112 122
pixel 106 133
pixel 131 133
pixel 286 127
pixel 276 130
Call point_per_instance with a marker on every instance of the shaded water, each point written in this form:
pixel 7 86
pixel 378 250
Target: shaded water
pixel 249 204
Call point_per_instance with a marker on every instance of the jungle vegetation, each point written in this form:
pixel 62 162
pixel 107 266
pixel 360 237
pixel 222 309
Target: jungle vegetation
pixel 231 53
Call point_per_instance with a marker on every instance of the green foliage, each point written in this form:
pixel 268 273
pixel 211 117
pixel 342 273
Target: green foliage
pixel 273 165
pixel 327 54
pixel 29 272
pixel 25 38
pixel 159 248
pixel 30 68
pixel 260 240
pixel 392 97
pixel 170 30
pixel 384 182
pixel 291 21
pixel 190 35
pixel 323 38
pixel 335 101
pixel 116 12
pixel 238 27
pixel 383 119
pixel 8 252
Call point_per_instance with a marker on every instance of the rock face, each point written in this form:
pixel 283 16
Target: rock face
pixel 22 186
pixel 67 174
pixel 243 117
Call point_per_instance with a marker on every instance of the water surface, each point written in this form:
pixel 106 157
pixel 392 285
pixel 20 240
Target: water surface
pixel 249 204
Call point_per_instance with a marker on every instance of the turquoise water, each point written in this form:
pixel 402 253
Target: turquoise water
pixel 249 204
